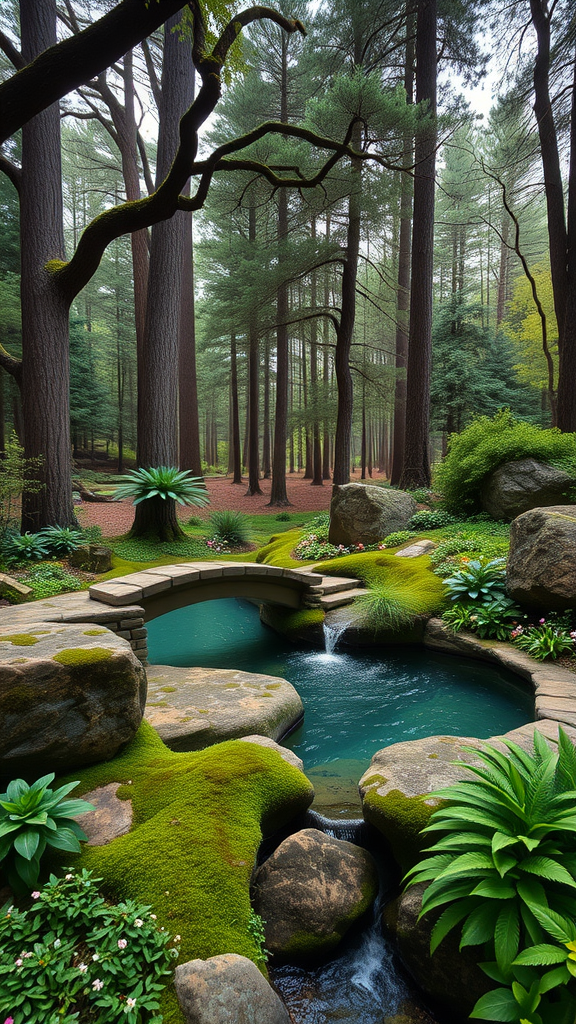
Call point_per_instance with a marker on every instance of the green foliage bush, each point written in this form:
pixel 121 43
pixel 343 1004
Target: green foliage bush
pixel 504 869
pixel 75 957
pixel 231 527
pixel 433 520
pixel 61 540
pixel 91 534
pixel 50 579
pixel 545 641
pixel 142 550
pixel 478 580
pixel 25 547
pixel 486 444
pixel 32 818
pixel 283 517
pixel 393 540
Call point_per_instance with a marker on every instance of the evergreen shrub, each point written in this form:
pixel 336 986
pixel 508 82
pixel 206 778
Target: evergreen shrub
pixel 231 527
pixel 489 442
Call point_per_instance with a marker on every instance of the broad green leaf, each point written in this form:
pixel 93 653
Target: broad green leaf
pixel 559 927
pixel 16 790
pixel 27 869
pixel 495 889
pixel 42 783
pixel 454 842
pixel 63 839
pixel 532 892
pixel 506 936
pixel 467 863
pixel 545 867
pixel 529 843
pixel 442 892
pixel 497 1005
pixel 500 841
pixel 448 920
pixel 479 927
pixel 70 808
pixel 8 826
pixel 550 980
pixel 493 971
pixel 504 862
pixel 541 955
pixel 26 843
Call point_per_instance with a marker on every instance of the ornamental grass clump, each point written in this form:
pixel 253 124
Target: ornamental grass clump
pixel 32 818
pixel 162 482
pixel 504 871
pixel 74 957
pixel 230 527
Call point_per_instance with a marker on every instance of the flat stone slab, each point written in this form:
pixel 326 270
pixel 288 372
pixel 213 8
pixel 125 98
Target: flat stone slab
pixel 191 708
pixel 421 547
pixel 111 817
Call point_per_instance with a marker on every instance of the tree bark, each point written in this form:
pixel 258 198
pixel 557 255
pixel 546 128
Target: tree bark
pixel 403 282
pixel 266 465
pixel 326 366
pixel 316 447
pixel 253 383
pixel 341 474
pixel 235 416
pixel 189 426
pixel 45 346
pixel 158 371
pixel 416 472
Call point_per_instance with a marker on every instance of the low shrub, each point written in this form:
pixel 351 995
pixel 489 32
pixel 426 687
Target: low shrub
pixel 504 870
pixel 50 579
pixel 487 443
pixel 32 818
pixel 478 581
pixel 545 640
pixel 393 540
pixel 75 957
pixel 61 540
pixel 433 520
pixel 25 547
pixel 493 619
pixel 231 527
pixel 91 534
pixel 283 517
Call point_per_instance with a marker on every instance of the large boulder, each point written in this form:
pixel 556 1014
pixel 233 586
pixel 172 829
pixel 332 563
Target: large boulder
pixel 450 979
pixel 192 708
pixel 311 890
pixel 225 989
pixel 362 514
pixel 70 695
pixel 515 487
pixel 541 567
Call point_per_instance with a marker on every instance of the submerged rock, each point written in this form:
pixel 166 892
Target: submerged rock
pixel 192 708
pixel 364 514
pixel 69 696
pixel 311 890
pixel 224 989
pixel 541 566
pixel 515 487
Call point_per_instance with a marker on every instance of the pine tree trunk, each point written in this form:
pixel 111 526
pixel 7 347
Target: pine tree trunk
pixel 127 136
pixel 416 472
pixel 253 383
pixel 343 437
pixel 45 345
pixel 316 447
pixel 278 493
pixel 158 380
pixel 266 466
pixel 308 471
pixel 503 275
pixel 326 367
pixel 189 426
pixel 404 252
pixel 236 455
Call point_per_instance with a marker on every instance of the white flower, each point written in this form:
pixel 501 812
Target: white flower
pixel 57 943
pixel 97 985
pixel 68 877
pixel 138 922
pixel 122 943
pixel 177 938
pixel 152 916
pixel 82 968
pixel 95 956
pixel 130 1003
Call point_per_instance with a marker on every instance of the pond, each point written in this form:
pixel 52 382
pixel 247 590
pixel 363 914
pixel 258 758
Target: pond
pixel 355 701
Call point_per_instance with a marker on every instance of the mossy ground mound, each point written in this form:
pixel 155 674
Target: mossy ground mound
pixel 198 823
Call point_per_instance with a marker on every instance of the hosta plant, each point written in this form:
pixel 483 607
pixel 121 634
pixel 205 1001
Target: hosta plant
pixel 32 818
pixel 492 620
pixel 74 957
pixel 504 870
pixel 545 641
pixel 478 580
pixel 25 547
pixel 163 482
pixel 61 540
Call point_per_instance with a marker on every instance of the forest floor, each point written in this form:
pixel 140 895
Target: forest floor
pixel 115 518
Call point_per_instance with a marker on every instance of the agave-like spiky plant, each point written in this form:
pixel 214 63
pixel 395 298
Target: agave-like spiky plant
pixel 163 482
pixel 506 866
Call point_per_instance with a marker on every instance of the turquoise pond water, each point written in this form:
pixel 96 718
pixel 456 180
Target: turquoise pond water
pixel 355 703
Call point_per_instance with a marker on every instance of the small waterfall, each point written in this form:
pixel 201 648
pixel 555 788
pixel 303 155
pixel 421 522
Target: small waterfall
pixel 332 635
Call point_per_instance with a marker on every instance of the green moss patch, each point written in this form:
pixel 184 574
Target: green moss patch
pixel 195 876
pixel 82 655
pixel 279 550
pixel 400 819
pixel 20 639
pixel 95 632
pixel 293 624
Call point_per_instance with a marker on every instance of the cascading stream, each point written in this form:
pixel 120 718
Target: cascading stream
pixel 332 635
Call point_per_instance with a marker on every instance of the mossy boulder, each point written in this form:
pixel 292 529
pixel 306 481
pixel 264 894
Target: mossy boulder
pixel 191 708
pixel 523 484
pixel 227 988
pixel 541 566
pixel 364 514
pixel 66 699
pixel 304 625
pixel 311 890
pixel 198 821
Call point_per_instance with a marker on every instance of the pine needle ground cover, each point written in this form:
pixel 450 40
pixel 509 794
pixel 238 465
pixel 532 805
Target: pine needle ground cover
pixel 198 822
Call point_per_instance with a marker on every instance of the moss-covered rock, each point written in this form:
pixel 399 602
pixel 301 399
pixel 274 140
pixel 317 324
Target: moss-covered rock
pixel 305 625
pixel 70 702
pixel 198 822
pixel 311 890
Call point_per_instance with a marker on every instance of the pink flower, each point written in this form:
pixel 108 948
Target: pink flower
pixel 122 943
pixel 131 1003
pixel 19 962
pixel 541 621
pixel 97 985
pixel 360 547
pixel 9 1020
pixel 35 895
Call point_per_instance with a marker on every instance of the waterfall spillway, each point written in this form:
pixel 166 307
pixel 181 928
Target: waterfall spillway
pixel 332 634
